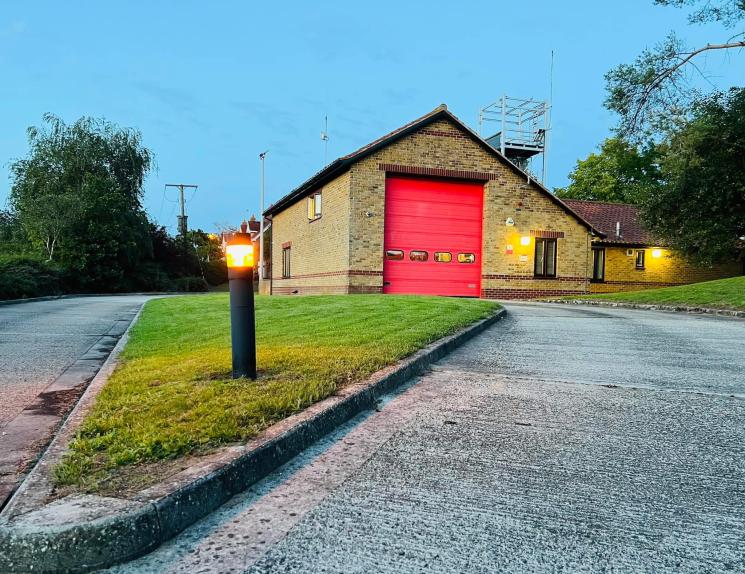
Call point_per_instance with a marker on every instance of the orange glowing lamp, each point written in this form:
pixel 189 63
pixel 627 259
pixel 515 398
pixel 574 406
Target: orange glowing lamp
pixel 239 252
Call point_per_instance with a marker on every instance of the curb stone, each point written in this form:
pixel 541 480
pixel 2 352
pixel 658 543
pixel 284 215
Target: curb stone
pixel 651 307
pixel 29 544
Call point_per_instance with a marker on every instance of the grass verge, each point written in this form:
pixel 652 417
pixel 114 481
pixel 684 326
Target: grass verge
pixel 172 394
pixel 719 294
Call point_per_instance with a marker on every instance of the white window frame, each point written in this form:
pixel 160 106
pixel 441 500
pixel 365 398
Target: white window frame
pixel 315 205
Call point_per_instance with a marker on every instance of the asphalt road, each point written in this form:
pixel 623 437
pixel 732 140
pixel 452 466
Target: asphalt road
pixel 564 439
pixel 40 339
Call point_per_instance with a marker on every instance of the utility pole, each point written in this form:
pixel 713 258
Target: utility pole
pixel 182 225
pixel 262 156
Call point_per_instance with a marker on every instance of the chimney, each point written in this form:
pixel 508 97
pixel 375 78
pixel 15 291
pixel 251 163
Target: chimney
pixel 618 229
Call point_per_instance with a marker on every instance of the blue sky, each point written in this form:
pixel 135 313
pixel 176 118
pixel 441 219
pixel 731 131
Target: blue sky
pixel 212 84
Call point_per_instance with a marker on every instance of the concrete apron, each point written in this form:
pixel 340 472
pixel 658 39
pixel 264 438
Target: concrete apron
pixel 81 533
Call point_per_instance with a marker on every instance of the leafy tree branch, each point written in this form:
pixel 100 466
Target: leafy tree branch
pixel 653 94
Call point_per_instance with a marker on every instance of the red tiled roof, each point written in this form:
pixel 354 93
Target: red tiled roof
pixel 604 217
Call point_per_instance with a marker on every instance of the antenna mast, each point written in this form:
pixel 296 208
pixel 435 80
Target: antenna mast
pixel 325 138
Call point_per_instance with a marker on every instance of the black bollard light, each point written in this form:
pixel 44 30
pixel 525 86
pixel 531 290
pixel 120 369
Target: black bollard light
pixel 239 254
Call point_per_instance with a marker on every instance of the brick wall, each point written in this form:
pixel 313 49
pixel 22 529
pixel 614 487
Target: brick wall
pixel 442 148
pixel 319 248
pixel 665 271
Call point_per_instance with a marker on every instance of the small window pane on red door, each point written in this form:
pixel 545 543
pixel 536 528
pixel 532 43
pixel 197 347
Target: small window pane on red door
pixel 466 258
pixel 443 257
pixel 418 255
pixel 394 255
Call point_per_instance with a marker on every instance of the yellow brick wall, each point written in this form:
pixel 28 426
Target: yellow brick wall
pixel 320 248
pixel 667 270
pixel 443 145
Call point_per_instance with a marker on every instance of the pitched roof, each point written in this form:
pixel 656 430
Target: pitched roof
pixel 342 164
pixel 604 216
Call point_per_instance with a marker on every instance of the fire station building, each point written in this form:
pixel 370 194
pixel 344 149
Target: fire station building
pixel 430 208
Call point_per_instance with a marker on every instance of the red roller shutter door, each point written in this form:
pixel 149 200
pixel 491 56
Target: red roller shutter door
pixel 425 220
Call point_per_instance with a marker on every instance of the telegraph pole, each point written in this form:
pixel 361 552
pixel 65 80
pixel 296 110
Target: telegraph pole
pixel 262 156
pixel 182 225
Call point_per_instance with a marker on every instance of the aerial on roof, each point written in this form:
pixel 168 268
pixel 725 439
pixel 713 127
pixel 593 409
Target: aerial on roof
pixel 342 164
pixel 619 222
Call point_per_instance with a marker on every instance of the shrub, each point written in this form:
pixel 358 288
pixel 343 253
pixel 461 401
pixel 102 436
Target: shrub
pixel 27 277
pixel 216 272
pixel 190 284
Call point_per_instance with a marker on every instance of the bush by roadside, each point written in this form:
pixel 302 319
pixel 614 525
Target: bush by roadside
pixel 25 277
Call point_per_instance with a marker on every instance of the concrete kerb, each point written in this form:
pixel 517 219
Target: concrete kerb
pixel 160 512
pixel 651 307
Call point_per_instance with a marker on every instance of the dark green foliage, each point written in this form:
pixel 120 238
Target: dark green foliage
pixel 701 209
pixel 190 284
pixel 78 195
pixel 21 278
pixel 76 203
pixel 215 272
pixel 620 173
pixel 14 242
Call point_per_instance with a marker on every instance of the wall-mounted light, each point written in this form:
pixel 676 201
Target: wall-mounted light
pixel 656 253
pixel 525 240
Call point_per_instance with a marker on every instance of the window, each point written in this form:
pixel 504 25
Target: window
pixel 545 257
pixel 286 261
pixel 314 206
pixel 598 265
pixel 418 255
pixel 640 259
pixel 466 258
pixel 394 254
pixel 443 257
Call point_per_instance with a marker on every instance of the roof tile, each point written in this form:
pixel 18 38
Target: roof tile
pixel 604 216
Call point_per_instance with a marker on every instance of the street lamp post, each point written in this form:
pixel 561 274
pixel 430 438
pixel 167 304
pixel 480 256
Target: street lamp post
pixel 239 254
pixel 262 157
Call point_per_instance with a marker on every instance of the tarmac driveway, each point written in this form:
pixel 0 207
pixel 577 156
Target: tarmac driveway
pixel 40 339
pixel 564 439
pixel 49 351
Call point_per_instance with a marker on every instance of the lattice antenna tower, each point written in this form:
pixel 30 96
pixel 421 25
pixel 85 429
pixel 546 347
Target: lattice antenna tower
pixel 522 132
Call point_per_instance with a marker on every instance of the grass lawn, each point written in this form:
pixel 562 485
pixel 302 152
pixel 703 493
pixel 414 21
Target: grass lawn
pixel 173 394
pixel 721 294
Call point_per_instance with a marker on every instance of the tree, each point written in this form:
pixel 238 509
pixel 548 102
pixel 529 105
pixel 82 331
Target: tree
pixel 79 194
pixel 620 173
pixel 701 208
pixel 49 218
pixel 653 95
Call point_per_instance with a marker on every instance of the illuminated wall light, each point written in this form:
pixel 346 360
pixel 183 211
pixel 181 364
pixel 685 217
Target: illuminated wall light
pixel 656 253
pixel 525 240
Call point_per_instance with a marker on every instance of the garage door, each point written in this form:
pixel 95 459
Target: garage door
pixel 432 237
